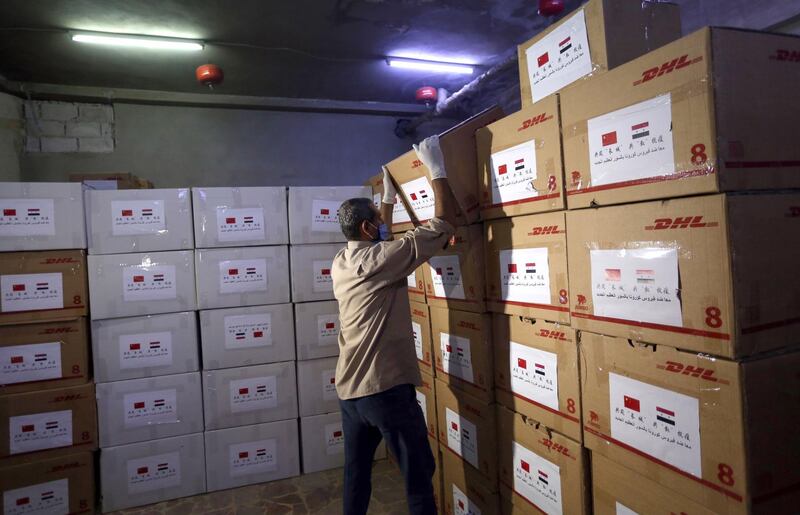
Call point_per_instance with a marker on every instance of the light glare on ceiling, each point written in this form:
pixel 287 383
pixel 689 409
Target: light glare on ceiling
pixel 415 64
pixel 124 40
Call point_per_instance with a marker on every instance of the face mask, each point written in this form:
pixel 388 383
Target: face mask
pixel 383 233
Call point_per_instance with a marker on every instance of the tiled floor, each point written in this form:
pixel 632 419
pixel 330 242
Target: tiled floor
pixel 319 493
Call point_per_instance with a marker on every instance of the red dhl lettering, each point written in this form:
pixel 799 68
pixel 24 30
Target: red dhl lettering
pixel 540 231
pixel 536 120
pixel 554 335
pixel 418 312
pixel 667 67
pixel 416 163
pixel 58 330
pixel 786 55
pixel 66 466
pixel 65 398
pixel 58 261
pixel 555 447
pixel 681 222
pixel 469 325
pixel 706 374
pixel 472 409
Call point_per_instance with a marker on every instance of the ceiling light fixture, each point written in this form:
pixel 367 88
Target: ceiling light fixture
pixel 434 66
pixel 126 40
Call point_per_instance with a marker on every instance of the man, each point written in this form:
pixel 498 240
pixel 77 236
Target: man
pixel 377 368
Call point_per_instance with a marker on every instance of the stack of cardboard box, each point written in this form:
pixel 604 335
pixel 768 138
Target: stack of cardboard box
pixel 111 181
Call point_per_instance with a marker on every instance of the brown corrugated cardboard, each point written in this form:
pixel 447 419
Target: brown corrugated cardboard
pixel 110 181
pixel 715 431
pixel 704 114
pixel 597 37
pixel 464 488
pixel 416 285
pixel 543 470
pixel 46 355
pixel 454 277
pixel 710 270
pixel 536 371
pixel 526 266
pixel 399 213
pixel 426 398
pixel 462 349
pixel 421 326
pixel 39 286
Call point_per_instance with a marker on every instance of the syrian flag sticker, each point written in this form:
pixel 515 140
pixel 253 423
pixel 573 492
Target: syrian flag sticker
pixel 543 477
pixel 565 45
pixel 519 164
pixel 665 415
pixel 640 130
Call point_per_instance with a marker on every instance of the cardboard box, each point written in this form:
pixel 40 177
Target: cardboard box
pixel 42 286
pixel 526 267
pixel 139 220
pixel 149 472
pixel 520 163
pixel 458 149
pixel 426 398
pixel 421 326
pixel 684 120
pixel 462 348
pixel 316 386
pixel 400 213
pixel 125 285
pixel 238 337
pixel 701 269
pixel 249 395
pixel 465 488
pixel 41 216
pixel 137 410
pixel 317 329
pixel 467 429
pixel 416 285
pixel 247 455
pixel 244 276
pixel 52 485
pixel 311 271
pixel 47 422
pixel 698 425
pixel 454 277
pixel 598 36
pixel 45 355
pixel 543 470
pixel 110 181
pixel 322 441
pixel 313 212
pixel 536 371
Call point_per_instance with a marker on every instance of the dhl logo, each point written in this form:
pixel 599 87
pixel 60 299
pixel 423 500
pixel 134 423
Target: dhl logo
pixel 786 55
pixel 66 398
pixel 66 466
pixel 58 261
pixel 541 231
pixel 418 312
pixel 706 374
pixel 667 67
pixel 555 447
pixel 553 335
pixel 681 222
pixel 58 330
pixel 469 325
pixel 472 409
pixel 536 120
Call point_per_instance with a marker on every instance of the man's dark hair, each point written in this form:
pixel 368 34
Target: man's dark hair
pixel 351 213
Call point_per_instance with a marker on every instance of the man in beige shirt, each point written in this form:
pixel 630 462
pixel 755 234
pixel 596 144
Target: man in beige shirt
pixel 377 368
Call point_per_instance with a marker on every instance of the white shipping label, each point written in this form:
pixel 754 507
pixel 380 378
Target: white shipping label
pixel 525 275
pixel 412 280
pixel 242 275
pixel 329 385
pixel 423 405
pixel 154 472
pixel 399 212
pixel 145 350
pixel 31 292
pixel 659 422
pixel 137 217
pixel 248 331
pixel 632 143
pixel 462 437
pixel 538 480
pixel 150 408
pixel 417 330
pixel 334 439
pixel 27 217
pixel 637 284
pixel 32 362
pixel 253 393
pixel 560 58
pixel 328 329
pixel 240 224
pixel 420 195
pixel 377 198
pixel 446 277
pixel 51 498
pixel 456 356
pixel 461 503
pixel 140 282
pixel 323 282
pixel 37 431
pixel 513 173
pixel 324 215
pixel 534 374
pixel 253 457
pixel 621 509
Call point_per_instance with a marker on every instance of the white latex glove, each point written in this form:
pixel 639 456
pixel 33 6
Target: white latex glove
pixel 429 152
pixel 389 191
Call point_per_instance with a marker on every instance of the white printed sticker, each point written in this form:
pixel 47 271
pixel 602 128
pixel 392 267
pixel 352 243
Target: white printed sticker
pixel 323 282
pixel 39 431
pixel 329 385
pixel 456 356
pixel 525 275
pixel 240 224
pixel 423 405
pixel 51 498
pixel 412 280
pixel 253 393
pixel 324 215
pixel 137 217
pixel 154 472
pixel 461 503
pixel 462 437
pixel 145 350
pixel 534 374
pixel 334 439
pixel 659 422
pixel 248 331
pixel 27 217
pixel 621 509
pixel 32 362
pixel 560 58
pixel 417 330
pixel 377 198
pixel 538 480
pixel 632 143
pixel 513 173
pixel 140 282
pixel 446 277
pixel 637 284
pixel 31 292
pixel 242 275
pixel 420 195
pixel 328 329
pixel 256 457
pixel 399 212
pixel 150 408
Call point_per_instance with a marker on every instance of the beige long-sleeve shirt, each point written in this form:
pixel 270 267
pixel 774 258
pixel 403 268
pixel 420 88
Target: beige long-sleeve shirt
pixel 376 343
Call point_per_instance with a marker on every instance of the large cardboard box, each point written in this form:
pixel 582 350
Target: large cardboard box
pixel 458 148
pixel 244 276
pixel 322 442
pixel 454 277
pixel 426 398
pixel 599 36
pixel 685 120
pixel 536 371
pixel 416 285
pixel 313 212
pixel 520 163
pixel 41 216
pixel 125 285
pixel 465 489
pixel 139 220
pixel 421 327
pixel 41 286
pixel 44 355
pixel 707 270
pixel 137 410
pixel 400 214
pixel 52 485
pixel 316 386
pixel 240 217
pixel 252 454
pixel 238 337
pixel 540 469
pixel 110 181
pixel 462 348
pixel 526 267
pixel 149 472
pixel 311 271
pixel 694 423
pixel 317 328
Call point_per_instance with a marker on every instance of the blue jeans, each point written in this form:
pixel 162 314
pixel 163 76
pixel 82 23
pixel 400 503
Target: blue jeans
pixel 395 416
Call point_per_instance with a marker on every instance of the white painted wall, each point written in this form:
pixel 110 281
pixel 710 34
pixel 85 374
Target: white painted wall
pixel 11 137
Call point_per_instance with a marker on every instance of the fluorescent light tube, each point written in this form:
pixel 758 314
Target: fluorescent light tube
pixel 415 64
pixel 124 40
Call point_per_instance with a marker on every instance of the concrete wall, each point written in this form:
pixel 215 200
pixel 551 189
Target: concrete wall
pixel 11 136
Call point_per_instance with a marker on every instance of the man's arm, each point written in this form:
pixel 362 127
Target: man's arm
pixel 446 207
pixel 389 199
